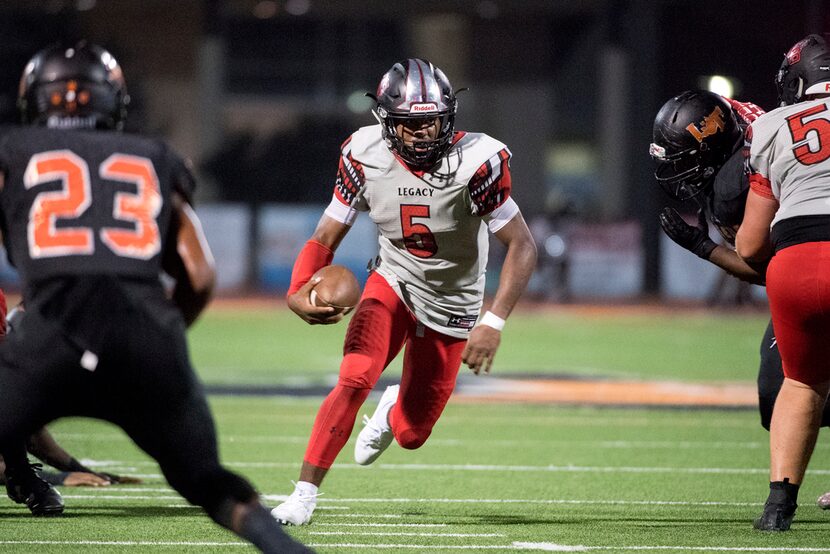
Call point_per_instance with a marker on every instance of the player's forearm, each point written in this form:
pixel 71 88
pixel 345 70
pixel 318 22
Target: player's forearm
pixel 191 265
pixel 45 448
pixel 516 271
pixel 728 260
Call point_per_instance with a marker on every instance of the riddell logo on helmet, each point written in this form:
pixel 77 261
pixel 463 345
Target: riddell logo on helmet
pixel 710 125
pixel 423 108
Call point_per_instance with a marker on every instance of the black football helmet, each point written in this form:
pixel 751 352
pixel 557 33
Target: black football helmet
pixel 804 71
pixel 694 134
pixel 80 87
pixel 416 89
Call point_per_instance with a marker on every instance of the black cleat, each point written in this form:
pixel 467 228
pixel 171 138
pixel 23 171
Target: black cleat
pixel 26 487
pixel 777 516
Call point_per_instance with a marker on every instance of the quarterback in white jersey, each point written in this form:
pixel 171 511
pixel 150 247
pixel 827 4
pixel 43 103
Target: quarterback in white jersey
pixel 434 194
pixel 433 245
pixel 787 222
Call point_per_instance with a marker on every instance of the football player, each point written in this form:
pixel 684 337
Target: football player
pixel 27 483
pixel 709 171
pixel 70 472
pixel 24 484
pixel 90 217
pixel 434 194
pixel 787 225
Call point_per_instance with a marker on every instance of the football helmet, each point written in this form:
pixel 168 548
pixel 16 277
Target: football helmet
pixel 416 89
pixel 694 134
pixel 77 87
pixel 804 71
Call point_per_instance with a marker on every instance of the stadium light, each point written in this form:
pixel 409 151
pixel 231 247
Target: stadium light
pixel 358 102
pixel 720 84
pixel 265 9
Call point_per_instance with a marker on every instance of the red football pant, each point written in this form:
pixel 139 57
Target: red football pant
pixel 380 327
pixel 798 287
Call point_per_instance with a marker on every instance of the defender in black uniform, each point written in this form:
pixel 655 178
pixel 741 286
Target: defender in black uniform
pixel 90 218
pixel 698 147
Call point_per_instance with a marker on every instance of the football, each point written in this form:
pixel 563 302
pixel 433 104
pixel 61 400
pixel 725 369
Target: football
pixel 338 288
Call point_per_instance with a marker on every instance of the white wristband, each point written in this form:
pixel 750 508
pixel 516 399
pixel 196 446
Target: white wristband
pixel 492 320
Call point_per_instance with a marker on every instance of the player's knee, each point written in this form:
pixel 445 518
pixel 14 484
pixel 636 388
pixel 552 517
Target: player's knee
pixel 212 488
pixel 358 371
pixel 412 438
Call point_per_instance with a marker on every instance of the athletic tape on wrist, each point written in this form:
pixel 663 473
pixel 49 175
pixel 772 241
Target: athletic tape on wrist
pixel 492 320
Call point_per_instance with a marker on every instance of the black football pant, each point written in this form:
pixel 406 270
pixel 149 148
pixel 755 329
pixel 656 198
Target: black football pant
pixel 141 380
pixel 771 377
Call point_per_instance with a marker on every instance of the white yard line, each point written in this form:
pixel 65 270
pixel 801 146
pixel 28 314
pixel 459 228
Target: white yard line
pixel 553 547
pixel 369 516
pixel 611 444
pixel 495 467
pixel 120 497
pixel 404 534
pixel 542 501
pixel 126 543
pixel 535 468
pixel 531 501
pixel 382 524
pixel 516 545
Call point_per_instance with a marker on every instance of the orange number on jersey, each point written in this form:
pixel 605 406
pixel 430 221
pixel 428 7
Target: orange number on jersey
pixel 141 208
pixel 799 131
pixel 45 238
pixel 75 196
pixel 417 237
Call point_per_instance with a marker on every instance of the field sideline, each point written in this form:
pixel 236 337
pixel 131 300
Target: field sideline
pixel 510 476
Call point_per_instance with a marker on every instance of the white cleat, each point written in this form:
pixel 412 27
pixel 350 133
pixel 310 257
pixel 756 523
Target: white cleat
pixel 296 510
pixel 376 436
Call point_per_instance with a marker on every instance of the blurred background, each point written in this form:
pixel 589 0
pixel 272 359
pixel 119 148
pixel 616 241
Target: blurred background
pixel 259 94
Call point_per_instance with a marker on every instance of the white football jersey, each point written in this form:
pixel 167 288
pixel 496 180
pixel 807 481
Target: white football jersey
pixel 432 225
pixel 789 158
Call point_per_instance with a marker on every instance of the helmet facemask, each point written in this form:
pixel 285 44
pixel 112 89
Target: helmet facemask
pixel 76 105
pixel 421 152
pixel 411 92
pixel 682 175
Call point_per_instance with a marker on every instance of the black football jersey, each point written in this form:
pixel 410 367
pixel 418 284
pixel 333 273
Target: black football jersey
pixel 78 203
pixel 728 197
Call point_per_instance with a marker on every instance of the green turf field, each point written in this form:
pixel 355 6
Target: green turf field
pixel 270 345
pixel 492 478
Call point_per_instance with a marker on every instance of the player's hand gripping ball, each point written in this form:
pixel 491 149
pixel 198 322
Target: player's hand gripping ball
pixel 338 288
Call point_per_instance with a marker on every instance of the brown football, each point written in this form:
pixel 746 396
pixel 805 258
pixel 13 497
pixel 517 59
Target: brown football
pixel 338 288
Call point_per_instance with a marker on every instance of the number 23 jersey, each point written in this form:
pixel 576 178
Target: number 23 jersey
pixel 432 224
pixel 87 202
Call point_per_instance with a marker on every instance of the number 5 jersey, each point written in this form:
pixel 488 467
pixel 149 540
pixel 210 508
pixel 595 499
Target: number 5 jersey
pixel 789 159
pixel 432 224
